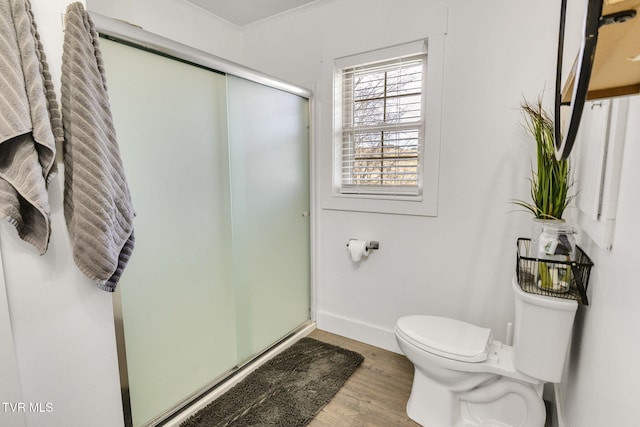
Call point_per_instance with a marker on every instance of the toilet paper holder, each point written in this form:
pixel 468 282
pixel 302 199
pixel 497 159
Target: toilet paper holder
pixel 371 245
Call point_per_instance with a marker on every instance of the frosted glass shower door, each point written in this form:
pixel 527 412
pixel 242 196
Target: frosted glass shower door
pixel 177 300
pixel 269 152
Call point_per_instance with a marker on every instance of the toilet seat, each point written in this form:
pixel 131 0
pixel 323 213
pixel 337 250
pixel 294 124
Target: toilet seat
pixel 446 337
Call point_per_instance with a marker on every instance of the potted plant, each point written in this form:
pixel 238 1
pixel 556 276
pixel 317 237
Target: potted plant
pixel 551 183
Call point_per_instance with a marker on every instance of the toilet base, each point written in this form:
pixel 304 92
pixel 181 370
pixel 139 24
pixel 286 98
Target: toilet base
pixel 504 402
pixel 430 404
pixel 494 402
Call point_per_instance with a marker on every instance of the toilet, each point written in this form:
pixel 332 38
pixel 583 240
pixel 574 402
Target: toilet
pixel 464 377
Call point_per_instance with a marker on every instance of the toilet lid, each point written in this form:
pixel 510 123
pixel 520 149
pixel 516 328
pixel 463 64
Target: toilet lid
pixel 446 337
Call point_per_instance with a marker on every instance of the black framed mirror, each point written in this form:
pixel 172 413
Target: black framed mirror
pixel 573 89
pixel 570 97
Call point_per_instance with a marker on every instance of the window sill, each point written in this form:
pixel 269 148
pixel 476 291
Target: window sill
pixel 379 203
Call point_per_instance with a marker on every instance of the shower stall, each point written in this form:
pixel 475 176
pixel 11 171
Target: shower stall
pixel 217 159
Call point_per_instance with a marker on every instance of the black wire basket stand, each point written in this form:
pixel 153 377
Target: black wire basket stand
pixel 527 266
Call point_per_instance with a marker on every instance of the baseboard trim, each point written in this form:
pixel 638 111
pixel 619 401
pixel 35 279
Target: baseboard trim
pixel 357 330
pixel 239 376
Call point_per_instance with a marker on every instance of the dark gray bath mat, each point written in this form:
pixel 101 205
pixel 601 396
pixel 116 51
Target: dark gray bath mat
pixel 289 390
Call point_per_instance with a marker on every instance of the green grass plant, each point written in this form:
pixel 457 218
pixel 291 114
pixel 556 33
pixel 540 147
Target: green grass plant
pixel 551 181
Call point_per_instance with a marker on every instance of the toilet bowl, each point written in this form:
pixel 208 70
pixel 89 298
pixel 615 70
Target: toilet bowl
pixel 465 378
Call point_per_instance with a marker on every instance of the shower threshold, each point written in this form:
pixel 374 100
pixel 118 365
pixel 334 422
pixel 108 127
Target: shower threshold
pixel 177 415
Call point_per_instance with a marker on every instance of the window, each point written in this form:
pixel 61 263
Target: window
pixel 386 119
pixel 597 162
pixel 382 126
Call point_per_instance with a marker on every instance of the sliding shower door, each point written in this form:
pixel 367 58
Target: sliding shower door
pixel 268 139
pixel 177 298
pixel 218 171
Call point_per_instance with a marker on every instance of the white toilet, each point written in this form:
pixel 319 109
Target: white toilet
pixel 463 377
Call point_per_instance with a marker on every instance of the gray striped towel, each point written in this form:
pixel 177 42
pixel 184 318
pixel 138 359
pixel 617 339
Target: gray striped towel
pixel 97 202
pixel 30 125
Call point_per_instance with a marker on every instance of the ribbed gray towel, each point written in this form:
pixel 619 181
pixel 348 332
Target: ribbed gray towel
pixel 97 203
pixel 30 125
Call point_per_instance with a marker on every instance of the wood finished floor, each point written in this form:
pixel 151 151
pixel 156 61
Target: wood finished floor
pixel 377 392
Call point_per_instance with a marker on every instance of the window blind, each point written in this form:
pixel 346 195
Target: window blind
pixel 382 126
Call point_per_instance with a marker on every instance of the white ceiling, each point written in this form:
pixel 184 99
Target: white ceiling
pixel 243 12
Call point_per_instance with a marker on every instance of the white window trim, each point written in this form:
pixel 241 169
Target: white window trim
pixel 426 203
pixel 595 211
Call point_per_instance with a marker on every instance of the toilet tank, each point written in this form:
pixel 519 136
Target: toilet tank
pixel 542 333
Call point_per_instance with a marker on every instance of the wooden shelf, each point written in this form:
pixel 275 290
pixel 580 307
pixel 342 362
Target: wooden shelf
pixel 616 66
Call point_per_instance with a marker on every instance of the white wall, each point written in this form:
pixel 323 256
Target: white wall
pixel 459 263
pixel 62 324
pixel 602 380
pixel 10 389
